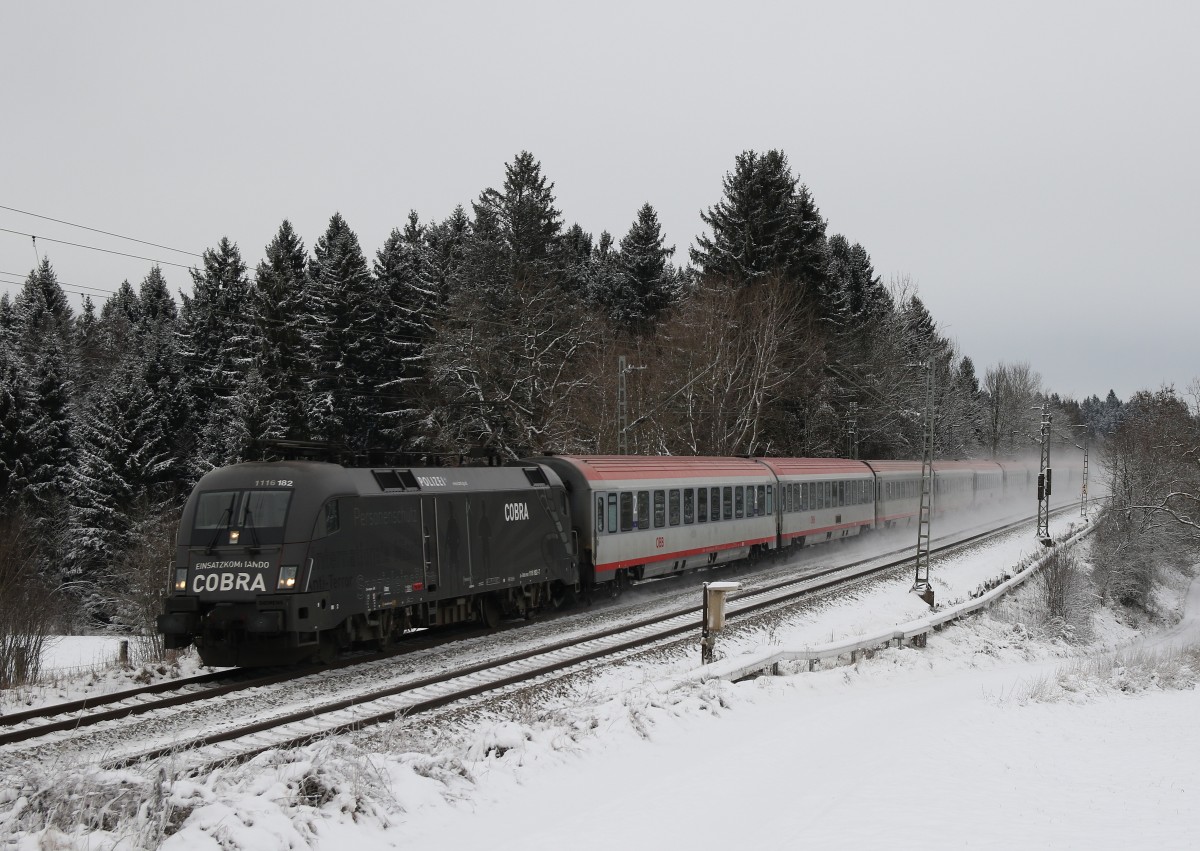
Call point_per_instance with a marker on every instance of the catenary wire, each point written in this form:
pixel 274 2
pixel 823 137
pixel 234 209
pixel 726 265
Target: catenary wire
pixel 35 237
pixel 97 230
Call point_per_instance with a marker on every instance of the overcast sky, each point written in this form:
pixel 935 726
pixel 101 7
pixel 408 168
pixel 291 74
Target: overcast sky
pixel 1032 167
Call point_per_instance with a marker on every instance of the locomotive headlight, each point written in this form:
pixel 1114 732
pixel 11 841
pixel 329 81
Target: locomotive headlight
pixel 287 576
pixel 181 579
pixel 234 535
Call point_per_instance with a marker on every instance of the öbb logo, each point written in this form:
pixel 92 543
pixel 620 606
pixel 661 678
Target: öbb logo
pixel 516 511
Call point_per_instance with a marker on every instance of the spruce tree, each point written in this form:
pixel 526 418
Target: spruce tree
pixel 644 260
pixel 446 243
pixel 216 343
pixel 853 295
pixel 347 320
pixel 409 300
pixel 766 224
pixel 279 305
pixel 528 221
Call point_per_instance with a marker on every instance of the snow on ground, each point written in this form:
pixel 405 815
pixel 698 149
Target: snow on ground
pixel 972 741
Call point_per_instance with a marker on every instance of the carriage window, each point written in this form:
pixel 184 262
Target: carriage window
pixel 714 505
pixel 643 509
pixel 739 501
pixel 770 499
pixel 612 512
pixel 702 505
pixel 660 509
pixel 689 505
pixel 673 507
pixel 760 500
pixel 727 503
pixel 626 512
pixel 600 513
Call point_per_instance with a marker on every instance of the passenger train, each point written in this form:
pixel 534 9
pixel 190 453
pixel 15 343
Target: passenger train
pixel 286 561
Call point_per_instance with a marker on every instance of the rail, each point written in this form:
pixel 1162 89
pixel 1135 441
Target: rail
pixel 916 631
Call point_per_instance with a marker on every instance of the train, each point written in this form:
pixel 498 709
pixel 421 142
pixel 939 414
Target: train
pixel 284 562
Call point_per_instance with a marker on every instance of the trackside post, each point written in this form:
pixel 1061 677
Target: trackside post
pixel 713 616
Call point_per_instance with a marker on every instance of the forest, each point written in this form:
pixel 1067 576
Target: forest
pixel 493 334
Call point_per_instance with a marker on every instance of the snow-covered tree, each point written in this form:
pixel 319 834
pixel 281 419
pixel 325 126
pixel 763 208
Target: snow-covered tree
pixel 345 321
pixel 216 343
pixel 279 305
pixel 529 225
pixel 767 224
pixel 410 302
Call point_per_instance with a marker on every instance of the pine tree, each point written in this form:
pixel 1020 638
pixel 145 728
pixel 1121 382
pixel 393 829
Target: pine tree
pixel 853 295
pixel 216 343
pixel 406 277
pixel 15 430
pixel 765 225
pixel 578 261
pixel 41 308
pixel 166 422
pixel 446 243
pixel 530 225
pixel 123 454
pixel 279 302
pixel 644 260
pixel 347 319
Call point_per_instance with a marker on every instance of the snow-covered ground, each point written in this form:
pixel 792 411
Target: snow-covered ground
pixel 992 736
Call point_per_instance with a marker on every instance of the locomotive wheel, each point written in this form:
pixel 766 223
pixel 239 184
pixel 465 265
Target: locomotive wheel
pixel 384 641
pixel 489 611
pixel 562 596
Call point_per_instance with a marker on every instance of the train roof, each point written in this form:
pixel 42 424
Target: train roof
pixel 816 466
pixel 326 478
pixel 615 468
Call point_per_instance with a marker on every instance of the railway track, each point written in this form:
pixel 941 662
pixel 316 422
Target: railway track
pixel 190 723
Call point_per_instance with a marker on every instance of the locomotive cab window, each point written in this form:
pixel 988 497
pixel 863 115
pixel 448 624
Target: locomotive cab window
pixel 252 517
pixel 215 509
pixel 328 521
pixel 264 509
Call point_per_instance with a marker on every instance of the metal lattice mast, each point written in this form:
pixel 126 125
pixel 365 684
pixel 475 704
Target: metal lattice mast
pixel 921 581
pixel 853 431
pixel 1043 482
pixel 622 411
pixel 1083 497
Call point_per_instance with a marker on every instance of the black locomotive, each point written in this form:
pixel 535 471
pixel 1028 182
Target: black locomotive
pixel 285 561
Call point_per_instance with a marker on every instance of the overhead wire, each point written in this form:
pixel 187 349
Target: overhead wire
pixel 98 230
pixel 95 248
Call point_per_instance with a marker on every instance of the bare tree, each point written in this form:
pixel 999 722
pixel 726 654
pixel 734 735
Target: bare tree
pixel 1152 462
pixel 507 373
pixel 27 604
pixel 1011 390
pixel 137 583
pixel 725 367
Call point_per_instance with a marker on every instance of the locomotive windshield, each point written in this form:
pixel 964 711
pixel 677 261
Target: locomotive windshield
pixel 258 510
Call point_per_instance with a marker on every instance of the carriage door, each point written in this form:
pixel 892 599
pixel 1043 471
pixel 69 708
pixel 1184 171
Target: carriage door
pixel 430 553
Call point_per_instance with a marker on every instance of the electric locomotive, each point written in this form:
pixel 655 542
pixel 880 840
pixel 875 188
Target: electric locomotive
pixel 282 562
